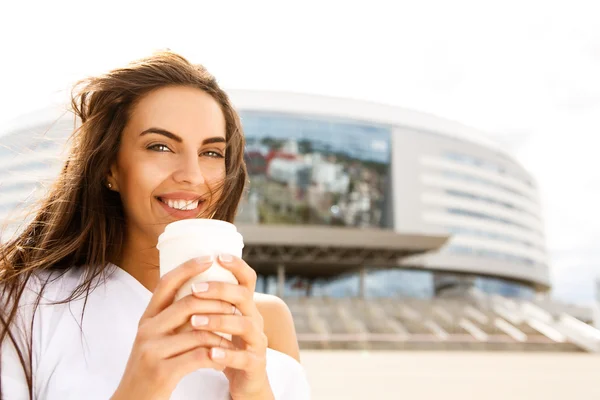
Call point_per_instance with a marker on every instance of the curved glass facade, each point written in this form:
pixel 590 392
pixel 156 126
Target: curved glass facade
pixel 392 283
pixel 306 170
pixel 312 170
pixel 504 288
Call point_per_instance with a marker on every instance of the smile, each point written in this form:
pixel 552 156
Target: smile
pixel 182 205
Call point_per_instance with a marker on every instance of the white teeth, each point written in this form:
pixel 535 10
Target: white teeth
pixel 181 204
pixel 193 205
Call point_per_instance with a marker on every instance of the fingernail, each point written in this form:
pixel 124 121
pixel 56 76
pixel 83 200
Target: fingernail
pixel 216 352
pixel 204 259
pixel 199 320
pixel 199 287
pixel 226 257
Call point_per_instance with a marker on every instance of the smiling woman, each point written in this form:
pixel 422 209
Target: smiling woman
pixel 171 164
pixel 84 312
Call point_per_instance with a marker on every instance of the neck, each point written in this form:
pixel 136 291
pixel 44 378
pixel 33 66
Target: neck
pixel 139 259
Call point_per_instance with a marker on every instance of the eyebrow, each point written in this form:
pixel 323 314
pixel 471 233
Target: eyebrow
pixel 178 139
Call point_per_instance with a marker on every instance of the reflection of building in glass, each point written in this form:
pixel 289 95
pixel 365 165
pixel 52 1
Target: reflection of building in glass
pixel 304 172
pixel 325 171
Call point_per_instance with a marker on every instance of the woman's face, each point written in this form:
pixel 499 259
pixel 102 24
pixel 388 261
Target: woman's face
pixel 171 158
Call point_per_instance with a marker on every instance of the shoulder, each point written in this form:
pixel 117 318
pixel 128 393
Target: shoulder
pixel 279 324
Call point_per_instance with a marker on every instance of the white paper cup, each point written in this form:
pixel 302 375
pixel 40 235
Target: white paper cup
pixel 190 238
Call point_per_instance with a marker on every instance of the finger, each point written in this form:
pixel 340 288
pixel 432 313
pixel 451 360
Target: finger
pixel 238 359
pixel 240 296
pixel 245 275
pixel 180 312
pixel 191 361
pixel 175 345
pixel 172 281
pixel 245 327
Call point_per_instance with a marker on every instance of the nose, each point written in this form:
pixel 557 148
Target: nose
pixel 189 171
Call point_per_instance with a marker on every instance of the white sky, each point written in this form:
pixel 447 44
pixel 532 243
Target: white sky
pixel 527 72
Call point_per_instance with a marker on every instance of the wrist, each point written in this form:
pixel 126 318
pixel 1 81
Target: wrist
pixel 267 394
pixel 123 393
pixel 264 393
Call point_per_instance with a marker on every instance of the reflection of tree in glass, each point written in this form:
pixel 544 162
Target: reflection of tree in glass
pixel 335 198
pixel 305 146
pixel 351 186
pixel 272 143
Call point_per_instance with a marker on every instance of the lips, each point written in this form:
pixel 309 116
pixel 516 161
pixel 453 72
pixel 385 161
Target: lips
pixel 173 212
pixel 183 204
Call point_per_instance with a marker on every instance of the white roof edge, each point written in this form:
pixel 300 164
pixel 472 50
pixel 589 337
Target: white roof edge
pixel 361 110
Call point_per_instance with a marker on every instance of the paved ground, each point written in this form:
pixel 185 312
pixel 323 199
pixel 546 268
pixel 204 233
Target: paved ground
pixel 353 375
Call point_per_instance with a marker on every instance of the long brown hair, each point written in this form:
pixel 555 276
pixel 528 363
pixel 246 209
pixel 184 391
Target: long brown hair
pixel 79 223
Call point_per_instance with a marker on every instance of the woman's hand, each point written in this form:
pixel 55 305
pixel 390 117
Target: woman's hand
pixel 162 354
pixel 245 365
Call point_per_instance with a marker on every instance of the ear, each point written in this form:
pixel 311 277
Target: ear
pixel 112 180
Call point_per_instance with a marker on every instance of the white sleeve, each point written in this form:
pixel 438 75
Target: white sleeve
pixel 287 377
pixel 14 383
pixel 12 374
pixel 297 387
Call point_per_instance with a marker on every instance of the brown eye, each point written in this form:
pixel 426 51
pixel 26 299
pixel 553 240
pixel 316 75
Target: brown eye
pixel 161 148
pixel 212 154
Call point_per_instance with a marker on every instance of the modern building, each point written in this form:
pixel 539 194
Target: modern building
pixel 352 198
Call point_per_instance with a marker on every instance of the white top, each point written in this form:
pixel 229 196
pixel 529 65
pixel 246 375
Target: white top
pixel 73 361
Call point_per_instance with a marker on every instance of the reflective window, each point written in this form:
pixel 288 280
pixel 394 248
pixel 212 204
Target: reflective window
pixel 378 283
pixel 480 215
pixel 490 235
pixel 388 283
pixel 29 166
pixel 9 206
pixel 487 199
pixel 484 164
pixel 6 152
pixel 495 255
pixel 16 187
pixel 504 288
pixel 475 179
pixel 307 170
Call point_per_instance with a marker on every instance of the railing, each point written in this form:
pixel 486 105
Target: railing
pixel 542 321
pixel 519 323
pixel 580 333
pixel 510 330
pixel 392 337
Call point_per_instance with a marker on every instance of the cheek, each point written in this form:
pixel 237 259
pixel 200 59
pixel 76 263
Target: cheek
pixel 141 179
pixel 215 180
pixel 214 175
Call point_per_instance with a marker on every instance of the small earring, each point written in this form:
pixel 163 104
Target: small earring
pixel 110 185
